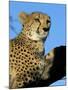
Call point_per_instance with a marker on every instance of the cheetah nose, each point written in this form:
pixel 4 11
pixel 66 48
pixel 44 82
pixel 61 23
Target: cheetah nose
pixel 46 29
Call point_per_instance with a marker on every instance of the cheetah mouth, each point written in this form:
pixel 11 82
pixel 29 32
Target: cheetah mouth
pixel 43 36
pixel 43 31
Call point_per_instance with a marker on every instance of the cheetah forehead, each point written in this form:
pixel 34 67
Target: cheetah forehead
pixel 34 15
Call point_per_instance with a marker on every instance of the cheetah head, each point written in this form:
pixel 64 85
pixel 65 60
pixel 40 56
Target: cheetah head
pixel 36 25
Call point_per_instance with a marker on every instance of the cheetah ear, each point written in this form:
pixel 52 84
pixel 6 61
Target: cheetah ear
pixel 22 17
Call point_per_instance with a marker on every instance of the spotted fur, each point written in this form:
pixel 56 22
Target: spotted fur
pixel 27 61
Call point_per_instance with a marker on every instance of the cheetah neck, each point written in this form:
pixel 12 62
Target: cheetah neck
pixel 23 36
pixel 38 45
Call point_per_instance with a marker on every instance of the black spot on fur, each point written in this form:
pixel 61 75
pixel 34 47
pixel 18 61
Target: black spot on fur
pixel 10 55
pixel 57 71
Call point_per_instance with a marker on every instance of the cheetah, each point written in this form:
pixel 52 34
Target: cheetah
pixel 27 60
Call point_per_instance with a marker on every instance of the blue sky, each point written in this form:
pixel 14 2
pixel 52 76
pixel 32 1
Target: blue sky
pixel 57 35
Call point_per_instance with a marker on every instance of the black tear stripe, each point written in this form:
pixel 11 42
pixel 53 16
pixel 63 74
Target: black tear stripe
pixel 33 21
pixel 39 24
pixel 37 21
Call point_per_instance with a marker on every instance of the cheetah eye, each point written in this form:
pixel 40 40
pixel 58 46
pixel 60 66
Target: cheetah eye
pixel 48 21
pixel 36 19
pixel 23 25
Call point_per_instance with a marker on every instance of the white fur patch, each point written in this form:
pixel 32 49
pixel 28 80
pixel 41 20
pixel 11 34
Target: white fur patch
pixel 36 36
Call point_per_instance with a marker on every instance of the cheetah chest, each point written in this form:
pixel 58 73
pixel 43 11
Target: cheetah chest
pixel 25 64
